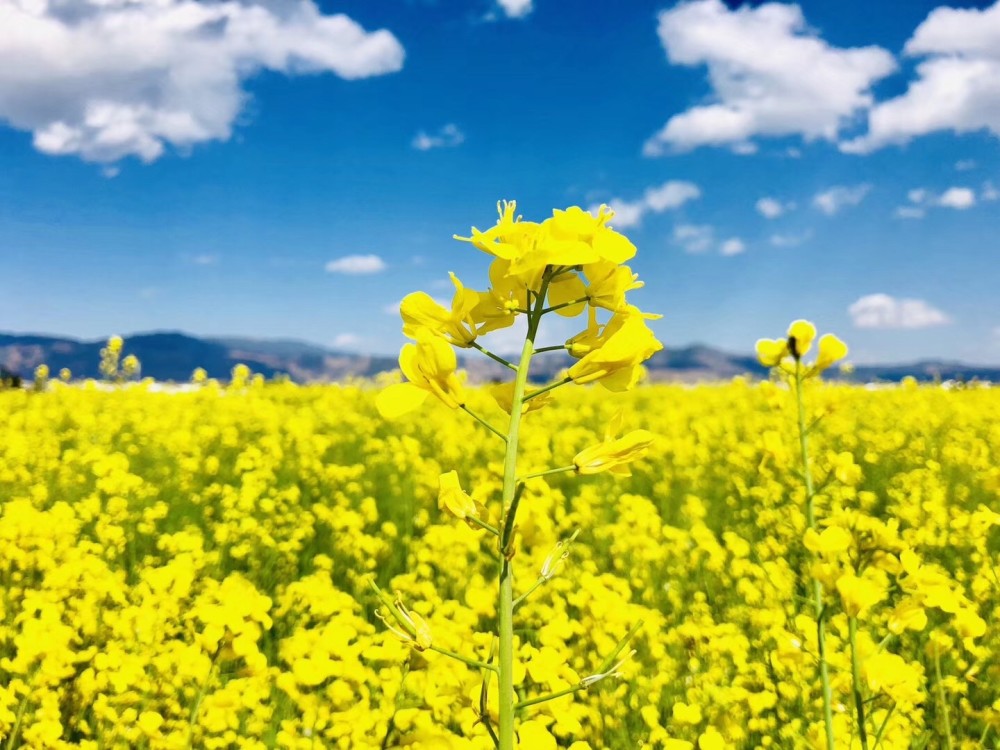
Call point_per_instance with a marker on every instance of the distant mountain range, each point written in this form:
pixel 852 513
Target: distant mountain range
pixel 173 356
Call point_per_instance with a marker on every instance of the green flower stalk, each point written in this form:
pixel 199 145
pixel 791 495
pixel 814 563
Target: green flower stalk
pixel 566 265
pixel 785 356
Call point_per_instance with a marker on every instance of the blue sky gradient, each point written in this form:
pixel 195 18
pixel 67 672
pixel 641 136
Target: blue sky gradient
pixel 232 234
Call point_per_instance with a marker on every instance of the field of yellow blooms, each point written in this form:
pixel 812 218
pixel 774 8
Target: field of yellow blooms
pixel 192 569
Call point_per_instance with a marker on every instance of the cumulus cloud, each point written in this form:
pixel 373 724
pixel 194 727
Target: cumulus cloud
pixel 515 8
pixel 447 137
pixel 700 238
pixel 107 79
pixel 790 240
pixel 838 197
pixel 909 212
pixel 958 198
pixel 694 238
pixel 346 340
pixel 956 87
pixel 772 208
pixel 732 246
pixel 356 265
pixel 770 74
pixel 883 311
pixel 670 195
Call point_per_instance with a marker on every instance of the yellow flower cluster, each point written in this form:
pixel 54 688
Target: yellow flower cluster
pixel 190 570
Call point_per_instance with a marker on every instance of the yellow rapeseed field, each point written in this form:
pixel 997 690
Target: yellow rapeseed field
pixel 191 569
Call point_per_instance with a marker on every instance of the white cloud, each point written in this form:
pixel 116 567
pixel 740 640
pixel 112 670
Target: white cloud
pixel 772 208
pixel 700 238
pixel 356 265
pixel 771 75
pixel 515 8
pixel 206 259
pixel 909 212
pixel 732 246
pixel 447 137
pixel 346 340
pixel 964 165
pixel 834 199
pixel 670 195
pixel 790 240
pixel 989 193
pixel 960 198
pixel 694 238
pixel 956 86
pixel 883 311
pixel 106 79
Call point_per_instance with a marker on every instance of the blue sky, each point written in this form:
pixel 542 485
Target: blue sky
pixel 292 170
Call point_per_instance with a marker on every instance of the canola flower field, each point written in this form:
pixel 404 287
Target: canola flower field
pixel 193 569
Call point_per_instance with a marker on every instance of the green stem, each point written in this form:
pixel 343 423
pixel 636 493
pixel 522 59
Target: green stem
pixel 483 422
pixel 824 668
pixel 549 387
pixel 564 304
pixel 602 673
pixel 505 606
pixel 17 722
pixel 483 525
pixel 885 723
pixel 550 348
pixel 494 357
pixel 201 696
pixel 942 703
pixel 859 703
pixel 458 657
pixel 538 582
pixel 560 470
pixel 550 696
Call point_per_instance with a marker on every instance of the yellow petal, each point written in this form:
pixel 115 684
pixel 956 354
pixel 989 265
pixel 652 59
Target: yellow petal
pixel 399 399
pixel 800 337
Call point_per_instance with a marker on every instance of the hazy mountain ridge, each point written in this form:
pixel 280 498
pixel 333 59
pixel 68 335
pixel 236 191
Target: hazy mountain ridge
pixel 173 356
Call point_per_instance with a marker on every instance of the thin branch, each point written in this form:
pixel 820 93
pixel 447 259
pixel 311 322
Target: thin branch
pixel 559 470
pixel 484 423
pixel 548 388
pixel 494 357
pixel 564 304
pixel 458 657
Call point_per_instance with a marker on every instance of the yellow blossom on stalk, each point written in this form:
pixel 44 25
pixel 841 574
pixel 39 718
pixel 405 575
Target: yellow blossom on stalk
pixel 831 351
pixel 608 284
pixel 453 499
pixel 430 367
pixel 65 375
pixel 509 239
pixel 499 305
pixel 893 675
pixel 859 594
pixel 615 453
pixel 787 352
pixel 685 713
pixel 458 326
pixel 623 345
pixel 831 541
pixel 909 614
pixel 800 337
